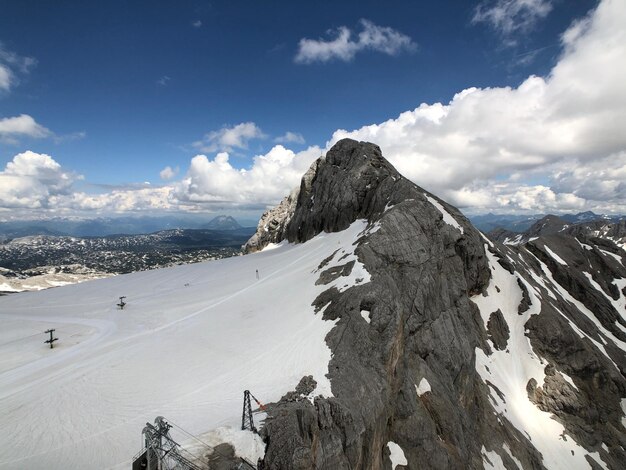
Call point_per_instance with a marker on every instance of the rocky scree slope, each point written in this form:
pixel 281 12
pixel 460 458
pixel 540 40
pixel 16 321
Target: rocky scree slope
pixel 451 346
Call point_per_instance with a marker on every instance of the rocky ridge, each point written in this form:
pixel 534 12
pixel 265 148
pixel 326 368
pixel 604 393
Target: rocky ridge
pixel 421 352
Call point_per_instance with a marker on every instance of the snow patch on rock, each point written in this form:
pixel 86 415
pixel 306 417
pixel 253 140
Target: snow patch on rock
pixel 556 257
pixel 510 372
pixel 447 217
pixel 366 315
pixel 396 455
pixel 423 387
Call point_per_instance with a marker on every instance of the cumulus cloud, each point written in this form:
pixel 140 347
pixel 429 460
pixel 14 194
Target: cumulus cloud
pixel 572 118
pixel 31 179
pixel 271 177
pixel 11 66
pixel 168 173
pixel 511 16
pixel 196 24
pixel 551 144
pixel 290 138
pixel 344 47
pixel 21 126
pixel 229 138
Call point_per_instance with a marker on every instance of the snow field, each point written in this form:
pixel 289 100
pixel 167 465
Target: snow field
pixel 190 341
pixel 510 371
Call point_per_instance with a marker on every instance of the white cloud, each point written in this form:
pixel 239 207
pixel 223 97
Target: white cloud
pixel 31 179
pixel 573 118
pixel 12 65
pixel 196 24
pixel 168 173
pixel 271 177
pixel 21 126
pixel 511 16
pixel 229 138
pixel 343 47
pixel 290 137
pixel 117 201
pixel 552 144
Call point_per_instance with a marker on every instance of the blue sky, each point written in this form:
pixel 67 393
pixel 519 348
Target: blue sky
pixel 118 91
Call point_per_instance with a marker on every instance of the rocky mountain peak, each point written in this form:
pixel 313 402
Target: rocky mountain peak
pixel 462 352
pixel 352 181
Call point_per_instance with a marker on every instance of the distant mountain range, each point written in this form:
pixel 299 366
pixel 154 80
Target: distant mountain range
pixel 105 226
pixel 41 261
pixel 521 223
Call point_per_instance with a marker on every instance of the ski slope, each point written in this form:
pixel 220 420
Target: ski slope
pixel 190 341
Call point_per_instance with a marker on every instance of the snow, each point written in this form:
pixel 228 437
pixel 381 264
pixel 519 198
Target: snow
pixel 396 455
pixel 510 371
pixel 556 257
pixel 513 241
pixel 612 255
pixel 596 457
pixel 45 281
pixel 190 341
pixel 248 445
pixel 620 304
pixel 492 459
pixel 584 310
pixel 568 379
pixel 447 217
pixel 423 387
pixel 366 315
pixel 515 460
pixel 346 253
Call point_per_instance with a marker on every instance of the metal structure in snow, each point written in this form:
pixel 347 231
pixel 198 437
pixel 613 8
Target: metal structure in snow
pixel 52 339
pixel 161 452
pixel 247 420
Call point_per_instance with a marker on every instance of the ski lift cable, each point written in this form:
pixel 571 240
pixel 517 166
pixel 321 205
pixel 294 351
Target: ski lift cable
pixel 199 440
pixel 191 435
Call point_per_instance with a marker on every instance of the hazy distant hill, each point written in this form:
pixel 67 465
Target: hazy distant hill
pixel 104 226
pixel 521 223
pixel 222 222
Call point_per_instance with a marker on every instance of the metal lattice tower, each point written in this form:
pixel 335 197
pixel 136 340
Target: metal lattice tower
pixel 161 451
pixel 247 421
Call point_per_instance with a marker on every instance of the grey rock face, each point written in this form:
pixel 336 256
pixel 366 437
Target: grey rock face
pixel 424 326
pixel 498 330
pixel 272 224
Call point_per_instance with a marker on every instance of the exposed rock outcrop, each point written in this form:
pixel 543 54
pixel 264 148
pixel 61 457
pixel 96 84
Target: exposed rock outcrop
pixel 409 373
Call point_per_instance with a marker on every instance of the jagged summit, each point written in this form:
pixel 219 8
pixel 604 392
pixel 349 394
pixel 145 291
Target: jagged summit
pixel 352 181
pixel 461 352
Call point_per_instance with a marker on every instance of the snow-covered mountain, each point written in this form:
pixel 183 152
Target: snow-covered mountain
pixel 428 345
